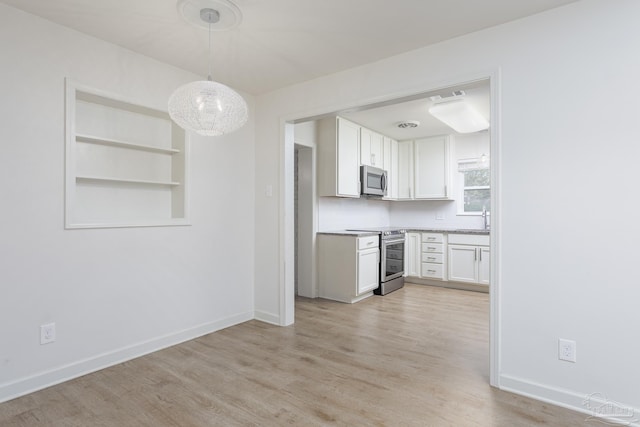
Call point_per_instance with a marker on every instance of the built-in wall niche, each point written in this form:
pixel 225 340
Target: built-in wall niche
pixel 126 164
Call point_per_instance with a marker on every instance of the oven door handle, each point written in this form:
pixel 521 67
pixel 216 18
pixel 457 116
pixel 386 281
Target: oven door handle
pixel 392 241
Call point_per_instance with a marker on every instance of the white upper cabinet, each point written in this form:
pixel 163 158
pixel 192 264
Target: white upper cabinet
pixel 338 158
pixel 371 148
pixel 431 163
pixel 390 164
pixel 405 170
pixel 423 169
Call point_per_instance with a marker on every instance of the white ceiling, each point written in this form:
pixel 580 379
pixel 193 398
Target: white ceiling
pixel 384 119
pixel 282 42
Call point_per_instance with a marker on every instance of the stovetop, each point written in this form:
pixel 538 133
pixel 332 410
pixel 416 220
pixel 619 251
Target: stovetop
pixel 385 231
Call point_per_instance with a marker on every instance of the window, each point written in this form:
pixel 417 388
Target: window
pixel 475 185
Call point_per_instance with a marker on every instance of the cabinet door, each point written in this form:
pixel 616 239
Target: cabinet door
pixel 484 264
pixel 377 143
pixel 412 255
pixel 405 170
pixel 431 169
pixel 390 164
pixel 368 279
pixel 365 147
pixel 371 146
pixel 393 174
pixel 463 263
pixel 348 162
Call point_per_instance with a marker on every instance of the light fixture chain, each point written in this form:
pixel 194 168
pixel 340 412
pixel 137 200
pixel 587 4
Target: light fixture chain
pixel 210 54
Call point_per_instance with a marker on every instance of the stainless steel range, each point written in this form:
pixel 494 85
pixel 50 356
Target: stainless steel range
pixel 392 241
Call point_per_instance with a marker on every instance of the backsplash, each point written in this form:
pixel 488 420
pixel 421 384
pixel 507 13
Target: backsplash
pixel 423 213
pixel 336 213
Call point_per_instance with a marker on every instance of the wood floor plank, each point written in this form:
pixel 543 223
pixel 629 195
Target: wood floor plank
pixel 416 357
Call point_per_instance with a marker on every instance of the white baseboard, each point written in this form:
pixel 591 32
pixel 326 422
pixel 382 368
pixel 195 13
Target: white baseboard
pixel 45 379
pixel 596 407
pixel 263 316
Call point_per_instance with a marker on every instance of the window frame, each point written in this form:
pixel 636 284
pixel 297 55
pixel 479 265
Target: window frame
pixel 462 188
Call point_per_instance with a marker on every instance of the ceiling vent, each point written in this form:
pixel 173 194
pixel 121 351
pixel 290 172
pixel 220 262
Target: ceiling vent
pixel 408 124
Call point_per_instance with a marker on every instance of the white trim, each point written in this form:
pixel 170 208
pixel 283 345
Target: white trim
pixel 72 88
pixel 40 380
pixel 559 397
pixel 263 316
pixel 495 292
pixel 287 306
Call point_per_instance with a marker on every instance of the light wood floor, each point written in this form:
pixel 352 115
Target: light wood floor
pixel 416 357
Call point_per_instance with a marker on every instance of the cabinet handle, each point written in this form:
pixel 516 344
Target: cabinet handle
pixel 430 248
pixel 373 159
pixel 475 254
pixel 370 243
pixel 445 191
pixel 430 258
pixel 480 250
pixel 431 271
pixel 431 238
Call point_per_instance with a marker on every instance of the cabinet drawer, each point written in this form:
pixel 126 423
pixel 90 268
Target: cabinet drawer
pixel 433 237
pixel 469 239
pixel 367 242
pixel 434 271
pixel 432 257
pixel 432 247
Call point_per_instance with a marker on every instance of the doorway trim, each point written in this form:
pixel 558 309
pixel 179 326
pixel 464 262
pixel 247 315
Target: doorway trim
pixel 286 203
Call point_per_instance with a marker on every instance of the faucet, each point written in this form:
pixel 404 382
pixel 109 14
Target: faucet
pixel 484 218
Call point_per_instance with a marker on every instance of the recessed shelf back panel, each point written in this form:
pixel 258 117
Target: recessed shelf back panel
pixel 126 164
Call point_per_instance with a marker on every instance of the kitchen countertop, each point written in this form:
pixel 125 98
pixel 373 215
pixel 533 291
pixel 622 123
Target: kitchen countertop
pixel 409 229
pixel 448 230
pixel 349 233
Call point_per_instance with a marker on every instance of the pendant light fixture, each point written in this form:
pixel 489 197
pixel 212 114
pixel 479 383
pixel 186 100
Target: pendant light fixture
pixel 208 107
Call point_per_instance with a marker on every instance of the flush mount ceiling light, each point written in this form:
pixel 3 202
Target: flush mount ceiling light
pixel 408 124
pixel 456 113
pixel 207 107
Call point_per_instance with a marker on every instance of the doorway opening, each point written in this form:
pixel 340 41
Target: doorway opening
pixel 304 221
pixel 293 247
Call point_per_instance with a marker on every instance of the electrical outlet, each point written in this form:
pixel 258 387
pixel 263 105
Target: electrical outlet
pixel 47 333
pixel 567 350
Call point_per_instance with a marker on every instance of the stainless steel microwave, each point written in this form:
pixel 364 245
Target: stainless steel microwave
pixel 373 181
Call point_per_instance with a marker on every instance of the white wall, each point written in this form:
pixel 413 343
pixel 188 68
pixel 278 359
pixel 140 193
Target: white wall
pixel 564 158
pixel 113 293
pixel 337 213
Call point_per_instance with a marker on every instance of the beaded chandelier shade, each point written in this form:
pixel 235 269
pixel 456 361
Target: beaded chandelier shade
pixel 208 107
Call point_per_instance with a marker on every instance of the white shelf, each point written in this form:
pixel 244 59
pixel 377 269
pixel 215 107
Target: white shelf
pixel 123 180
pixel 115 143
pixel 126 163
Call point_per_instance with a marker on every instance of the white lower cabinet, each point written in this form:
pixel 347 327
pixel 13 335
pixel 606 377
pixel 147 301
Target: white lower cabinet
pixel 412 255
pixel 469 258
pixel 348 266
pixel 367 273
pixel 432 256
